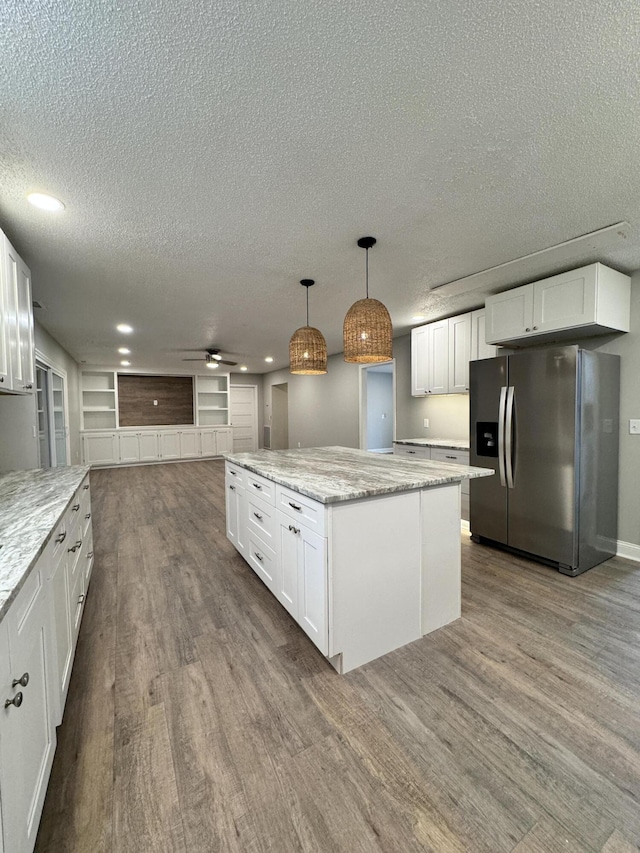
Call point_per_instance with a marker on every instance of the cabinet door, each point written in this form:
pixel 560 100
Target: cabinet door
pixel 208 446
pixel 11 265
pixel 63 646
pixel 287 573
pixel 5 321
pixel 224 441
pixel 235 510
pixel 129 447
pixel 419 361
pixel 564 301
pixel 149 446
pixel 509 315
pixel 438 357
pixel 25 326
pixel 27 732
pixel 411 452
pixel 169 445
pixel 75 586
pixel 479 347
pixel 189 444
pixel 459 353
pixel 100 448
pixel 312 588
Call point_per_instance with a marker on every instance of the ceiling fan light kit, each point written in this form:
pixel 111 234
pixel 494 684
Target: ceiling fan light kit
pixel 367 330
pixel 307 347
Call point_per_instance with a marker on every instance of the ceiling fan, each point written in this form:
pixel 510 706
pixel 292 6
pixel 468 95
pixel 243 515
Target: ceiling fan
pixel 212 356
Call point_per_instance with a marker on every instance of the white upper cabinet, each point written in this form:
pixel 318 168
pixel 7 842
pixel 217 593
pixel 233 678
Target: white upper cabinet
pixel 17 351
pixel 479 347
pixel 440 354
pixel 588 301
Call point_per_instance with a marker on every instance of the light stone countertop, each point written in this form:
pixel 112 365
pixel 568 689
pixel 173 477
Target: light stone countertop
pixel 333 474
pixel 31 505
pixel 449 443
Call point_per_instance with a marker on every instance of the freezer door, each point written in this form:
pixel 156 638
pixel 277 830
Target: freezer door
pixel 487 496
pixel 542 502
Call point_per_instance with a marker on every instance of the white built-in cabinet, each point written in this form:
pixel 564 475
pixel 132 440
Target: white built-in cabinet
pixel 441 352
pixel 17 348
pixel 439 454
pixel 105 443
pixel 38 637
pixel 592 300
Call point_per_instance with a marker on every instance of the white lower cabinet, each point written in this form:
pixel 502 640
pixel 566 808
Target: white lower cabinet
pixel 169 445
pixel 189 444
pixel 27 726
pixel 149 446
pixel 208 443
pixel 302 578
pixel 100 448
pixel 411 451
pixel 128 447
pixel 224 441
pixel 236 509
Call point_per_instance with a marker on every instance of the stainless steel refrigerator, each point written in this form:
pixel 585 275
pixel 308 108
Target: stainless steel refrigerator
pixel 547 421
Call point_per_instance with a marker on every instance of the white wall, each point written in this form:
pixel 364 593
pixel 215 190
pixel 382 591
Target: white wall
pixel 18 425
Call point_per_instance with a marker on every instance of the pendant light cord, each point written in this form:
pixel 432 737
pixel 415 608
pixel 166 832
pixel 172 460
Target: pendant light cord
pixel 366 264
pixel 307 289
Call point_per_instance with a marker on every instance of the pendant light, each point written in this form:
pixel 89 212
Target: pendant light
pixel 367 333
pixel 307 347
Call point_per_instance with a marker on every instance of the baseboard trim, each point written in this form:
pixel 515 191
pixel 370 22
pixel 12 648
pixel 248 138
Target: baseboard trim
pixel 628 550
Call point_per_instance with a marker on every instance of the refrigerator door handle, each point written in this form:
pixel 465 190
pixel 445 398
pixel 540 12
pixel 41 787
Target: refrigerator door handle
pixel 501 416
pixel 508 443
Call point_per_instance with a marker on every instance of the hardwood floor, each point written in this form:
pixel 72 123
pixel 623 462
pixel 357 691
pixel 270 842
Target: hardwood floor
pixel 201 718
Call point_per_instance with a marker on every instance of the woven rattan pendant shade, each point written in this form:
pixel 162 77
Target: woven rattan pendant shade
pixel 307 347
pixel 367 330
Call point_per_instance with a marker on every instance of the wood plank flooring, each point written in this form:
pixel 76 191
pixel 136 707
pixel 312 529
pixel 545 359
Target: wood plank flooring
pixel 200 717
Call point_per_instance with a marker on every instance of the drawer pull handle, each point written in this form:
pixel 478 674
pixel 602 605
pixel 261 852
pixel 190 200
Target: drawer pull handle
pixel 23 681
pixel 295 506
pixel 1 378
pixel 410 451
pixel 60 538
pixel 293 529
pixel 81 598
pixel 75 507
pixel 449 457
pixel 258 516
pixel 75 547
pixel 258 556
pixel 235 473
pixel 256 485
pixel 86 487
pixel 17 701
pixel 527 329
pixel 233 488
pixel 90 555
pixel 88 516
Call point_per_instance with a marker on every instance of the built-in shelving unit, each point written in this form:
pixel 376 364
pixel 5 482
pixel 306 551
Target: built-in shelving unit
pixel 212 400
pixel 99 400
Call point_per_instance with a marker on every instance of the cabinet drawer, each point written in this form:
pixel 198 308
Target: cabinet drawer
pixel 261 486
pixel 235 474
pixel 412 451
pixel 262 560
pixel 261 518
pixel 303 509
pixel 455 457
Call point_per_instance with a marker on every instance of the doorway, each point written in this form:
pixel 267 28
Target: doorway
pixel 244 418
pixel 280 416
pixel 378 407
pixel 51 414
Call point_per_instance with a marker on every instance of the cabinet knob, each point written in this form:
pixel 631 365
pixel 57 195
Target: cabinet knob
pixel 527 329
pixel 1 378
pixel 86 487
pixel 17 701
pixel 28 386
pixel 22 681
pixel 88 516
pixel 293 529
pixel 535 328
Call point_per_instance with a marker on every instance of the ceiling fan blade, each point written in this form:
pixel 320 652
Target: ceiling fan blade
pixel 232 363
pixel 193 359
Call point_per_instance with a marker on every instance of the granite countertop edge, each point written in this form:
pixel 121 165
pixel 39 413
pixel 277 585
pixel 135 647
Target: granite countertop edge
pixel 444 443
pixel 36 531
pixel 419 474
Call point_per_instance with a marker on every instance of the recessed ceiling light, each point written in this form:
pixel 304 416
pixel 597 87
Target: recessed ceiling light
pixel 418 317
pixel 212 364
pixel 125 363
pixel 244 367
pixel 45 202
pixel 124 351
pixel 269 359
pixel 124 328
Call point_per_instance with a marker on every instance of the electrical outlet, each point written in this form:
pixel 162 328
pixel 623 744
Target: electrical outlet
pixel 634 426
pixel 155 402
pixel 426 423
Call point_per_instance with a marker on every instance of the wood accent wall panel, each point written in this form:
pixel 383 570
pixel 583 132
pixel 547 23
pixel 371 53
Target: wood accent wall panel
pixel 136 394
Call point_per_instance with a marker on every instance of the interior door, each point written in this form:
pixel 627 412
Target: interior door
pixel 244 417
pixel 542 502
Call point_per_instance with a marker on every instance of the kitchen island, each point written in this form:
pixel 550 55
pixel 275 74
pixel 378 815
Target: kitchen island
pixel 362 549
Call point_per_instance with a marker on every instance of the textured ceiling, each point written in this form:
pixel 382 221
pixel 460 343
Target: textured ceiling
pixel 210 154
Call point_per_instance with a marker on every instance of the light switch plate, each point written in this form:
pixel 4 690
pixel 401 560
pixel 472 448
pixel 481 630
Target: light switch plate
pixel 634 426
